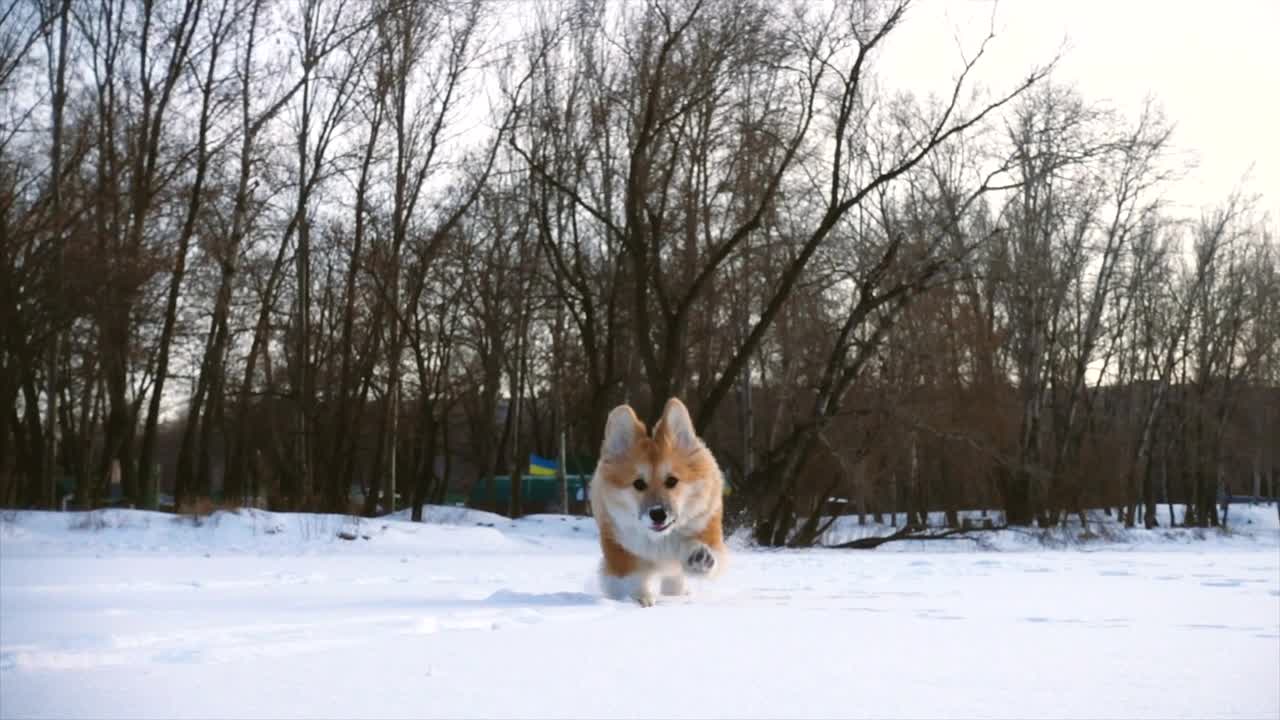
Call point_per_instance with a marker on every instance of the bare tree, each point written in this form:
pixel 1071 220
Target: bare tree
pixel 370 245
pixel 210 78
pixel 55 18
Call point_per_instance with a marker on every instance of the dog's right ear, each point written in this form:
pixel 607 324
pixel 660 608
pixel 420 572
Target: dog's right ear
pixel 620 432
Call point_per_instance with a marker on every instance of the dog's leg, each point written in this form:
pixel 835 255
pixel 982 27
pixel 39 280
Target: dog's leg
pixel 623 576
pixel 674 584
pixel 636 586
pixel 642 589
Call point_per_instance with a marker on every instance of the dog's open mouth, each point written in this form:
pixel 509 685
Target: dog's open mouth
pixel 661 528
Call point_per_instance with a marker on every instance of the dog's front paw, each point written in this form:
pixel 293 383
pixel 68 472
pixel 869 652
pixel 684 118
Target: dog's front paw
pixel 645 598
pixel 701 560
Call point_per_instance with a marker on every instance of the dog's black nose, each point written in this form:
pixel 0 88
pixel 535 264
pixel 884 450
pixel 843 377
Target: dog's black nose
pixel 658 515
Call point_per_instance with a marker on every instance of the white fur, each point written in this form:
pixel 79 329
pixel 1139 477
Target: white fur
pixel 669 547
pixel 674 585
pixel 636 586
pixel 666 552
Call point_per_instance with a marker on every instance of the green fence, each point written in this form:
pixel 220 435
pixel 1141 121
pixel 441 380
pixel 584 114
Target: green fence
pixel 536 491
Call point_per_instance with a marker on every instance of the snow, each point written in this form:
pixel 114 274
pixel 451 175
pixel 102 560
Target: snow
pixel 1247 525
pixel 253 614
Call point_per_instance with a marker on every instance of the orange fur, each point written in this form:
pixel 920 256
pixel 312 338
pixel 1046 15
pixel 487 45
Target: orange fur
pixel 713 535
pixel 617 560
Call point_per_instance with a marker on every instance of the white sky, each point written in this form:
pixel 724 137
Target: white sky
pixel 1214 69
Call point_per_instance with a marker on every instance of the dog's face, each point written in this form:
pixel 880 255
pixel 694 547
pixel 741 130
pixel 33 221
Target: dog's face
pixel 659 482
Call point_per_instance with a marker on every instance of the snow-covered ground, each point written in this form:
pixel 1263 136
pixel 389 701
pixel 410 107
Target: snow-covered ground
pixel 253 614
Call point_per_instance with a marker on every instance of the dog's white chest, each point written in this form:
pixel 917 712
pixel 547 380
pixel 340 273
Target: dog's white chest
pixel 644 543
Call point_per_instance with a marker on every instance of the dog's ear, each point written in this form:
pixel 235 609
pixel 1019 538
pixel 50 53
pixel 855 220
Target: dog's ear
pixel 675 428
pixel 620 432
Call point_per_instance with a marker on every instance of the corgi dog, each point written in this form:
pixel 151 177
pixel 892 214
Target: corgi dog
pixel 658 504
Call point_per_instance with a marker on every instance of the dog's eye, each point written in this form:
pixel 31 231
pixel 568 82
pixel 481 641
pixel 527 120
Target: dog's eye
pixel 671 481
pixel 640 484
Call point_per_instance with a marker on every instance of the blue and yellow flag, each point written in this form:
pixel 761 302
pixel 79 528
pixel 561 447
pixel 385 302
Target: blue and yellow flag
pixel 540 466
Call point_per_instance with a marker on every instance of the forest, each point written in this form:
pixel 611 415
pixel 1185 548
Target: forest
pixel 302 254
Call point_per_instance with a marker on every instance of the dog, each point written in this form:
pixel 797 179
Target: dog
pixel 658 503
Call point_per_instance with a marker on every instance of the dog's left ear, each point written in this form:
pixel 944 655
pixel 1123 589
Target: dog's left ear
pixel 676 427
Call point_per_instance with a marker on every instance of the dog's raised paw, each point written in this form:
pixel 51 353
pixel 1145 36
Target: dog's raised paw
pixel 701 560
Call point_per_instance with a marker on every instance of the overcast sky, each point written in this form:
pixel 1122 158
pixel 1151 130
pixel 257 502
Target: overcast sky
pixel 1214 67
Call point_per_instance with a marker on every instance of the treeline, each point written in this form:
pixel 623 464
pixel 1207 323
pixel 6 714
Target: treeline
pixel 325 245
